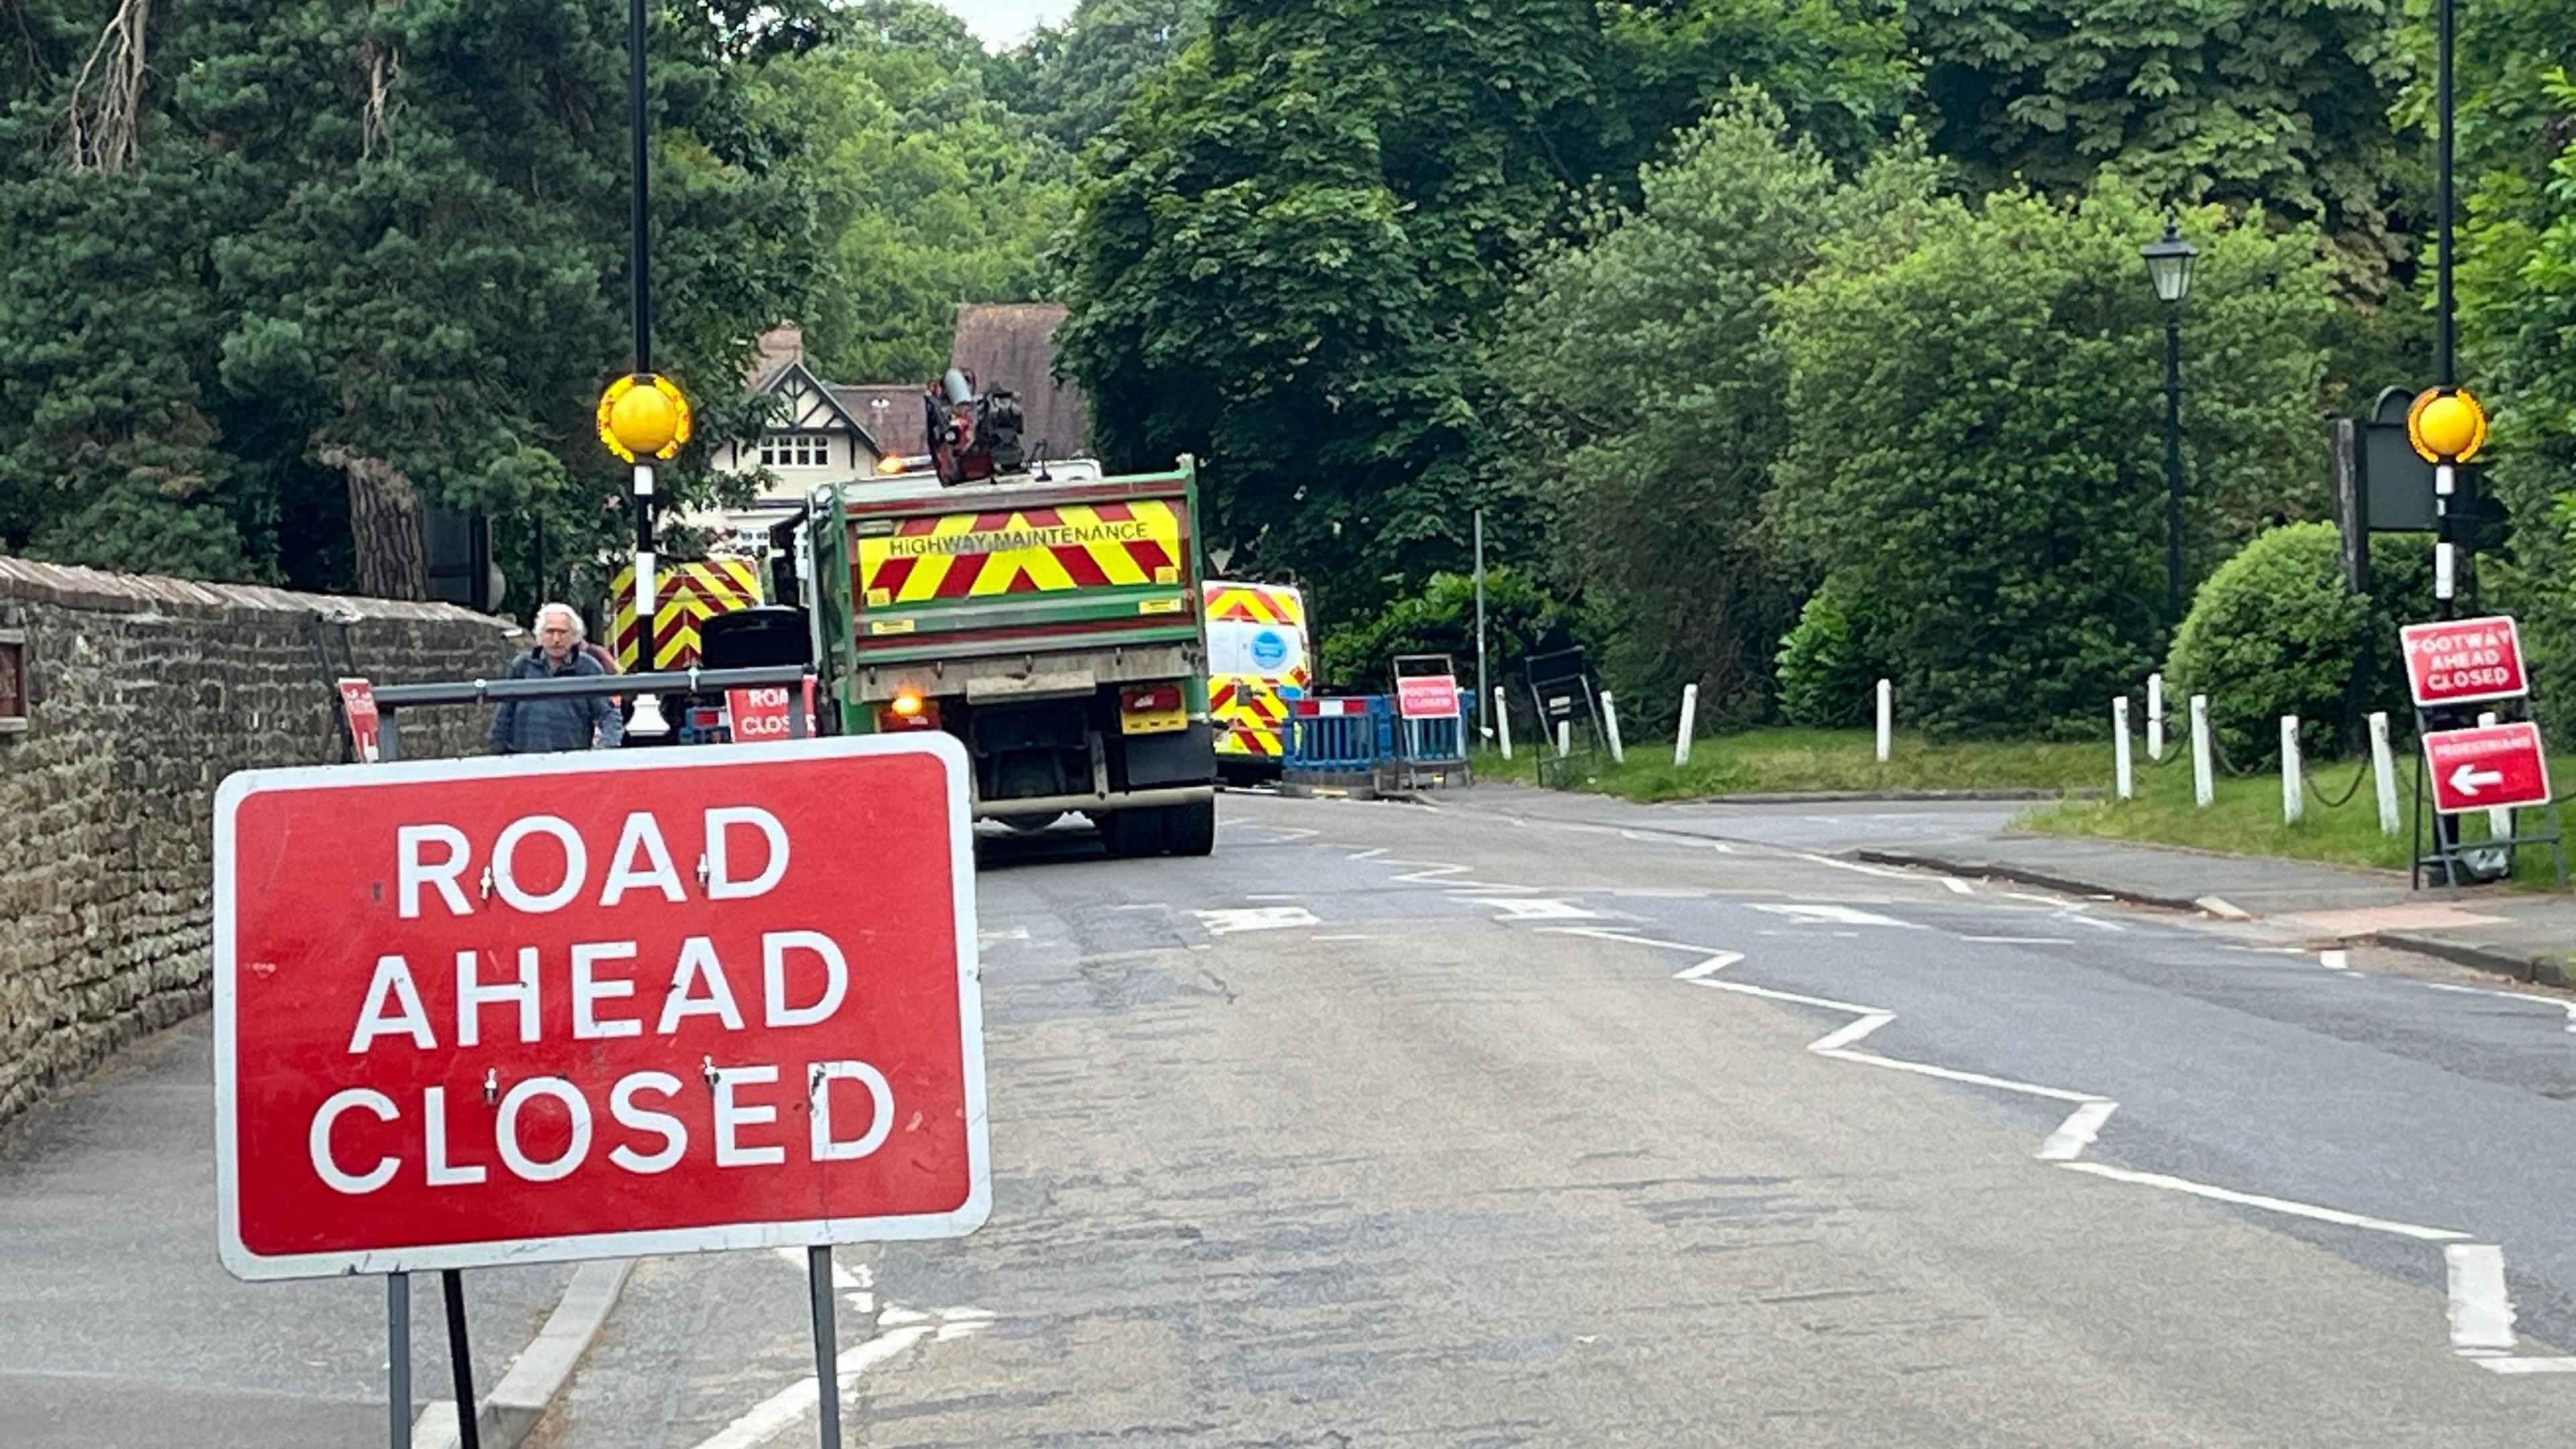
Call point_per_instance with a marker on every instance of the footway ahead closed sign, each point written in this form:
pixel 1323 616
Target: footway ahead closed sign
pixel 495 1011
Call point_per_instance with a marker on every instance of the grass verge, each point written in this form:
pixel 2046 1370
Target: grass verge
pixel 1793 760
pixel 2244 818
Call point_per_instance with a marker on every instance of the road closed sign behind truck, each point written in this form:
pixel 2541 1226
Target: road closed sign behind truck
pixel 487 1011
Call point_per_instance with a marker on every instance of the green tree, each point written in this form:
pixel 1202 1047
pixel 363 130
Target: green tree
pixel 1295 247
pixel 381 251
pixel 2517 288
pixel 931 191
pixel 1975 457
pixel 1075 78
pixel 2246 103
pixel 1650 380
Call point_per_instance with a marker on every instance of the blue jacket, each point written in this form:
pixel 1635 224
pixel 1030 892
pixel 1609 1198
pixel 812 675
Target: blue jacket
pixel 536 726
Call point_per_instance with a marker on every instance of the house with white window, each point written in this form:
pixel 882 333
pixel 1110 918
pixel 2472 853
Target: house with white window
pixel 826 432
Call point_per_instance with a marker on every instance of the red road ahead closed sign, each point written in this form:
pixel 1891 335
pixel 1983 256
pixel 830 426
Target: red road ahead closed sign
pixel 2486 768
pixel 2464 660
pixel 485 1011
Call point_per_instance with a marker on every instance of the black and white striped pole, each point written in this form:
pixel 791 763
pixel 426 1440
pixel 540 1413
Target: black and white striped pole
pixel 642 416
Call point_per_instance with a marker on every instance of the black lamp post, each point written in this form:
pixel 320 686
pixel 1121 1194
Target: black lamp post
pixel 2168 260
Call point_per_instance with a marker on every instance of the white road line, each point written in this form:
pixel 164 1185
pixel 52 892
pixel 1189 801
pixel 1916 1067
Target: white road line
pixel 1957 886
pixel 1953 1074
pixel 2077 1132
pixel 1274 896
pixel 2477 1294
pixel 2481 1311
pixel 2335 960
pixel 1766 993
pixel 2069 914
pixel 2527 1365
pixel 1832 1043
pixel 1832 915
pixel 2546 1003
pixel 2224 909
pixel 1604 933
pixel 1852 865
pixel 2268 1204
pixel 1256 918
pixel 774 1414
pixel 1712 965
pixel 1532 908
pixel 1371 853
pixel 2021 940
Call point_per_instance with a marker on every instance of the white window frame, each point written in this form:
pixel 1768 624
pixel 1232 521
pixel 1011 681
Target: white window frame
pixel 796 450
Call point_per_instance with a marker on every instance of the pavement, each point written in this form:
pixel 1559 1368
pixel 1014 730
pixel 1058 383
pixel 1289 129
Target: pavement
pixel 1531 1118
pixel 119 1330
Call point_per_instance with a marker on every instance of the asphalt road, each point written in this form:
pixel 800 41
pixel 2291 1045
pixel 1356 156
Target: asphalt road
pixel 1547 1121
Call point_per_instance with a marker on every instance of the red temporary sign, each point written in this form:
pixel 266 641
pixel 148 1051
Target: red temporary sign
pixel 358 706
pixel 2464 660
pixel 2486 768
pixel 763 714
pixel 596 1004
pixel 1427 696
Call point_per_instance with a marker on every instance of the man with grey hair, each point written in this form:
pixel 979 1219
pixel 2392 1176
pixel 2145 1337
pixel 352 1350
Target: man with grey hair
pixel 535 726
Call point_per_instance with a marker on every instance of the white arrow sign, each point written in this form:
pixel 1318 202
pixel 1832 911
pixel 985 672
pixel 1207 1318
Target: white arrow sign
pixel 2468 778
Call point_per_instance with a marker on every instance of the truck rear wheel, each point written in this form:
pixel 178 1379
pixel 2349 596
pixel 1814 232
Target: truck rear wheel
pixel 1189 829
pixel 1130 833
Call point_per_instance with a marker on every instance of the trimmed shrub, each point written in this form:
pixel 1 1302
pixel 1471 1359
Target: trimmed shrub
pixel 2274 632
pixel 1825 670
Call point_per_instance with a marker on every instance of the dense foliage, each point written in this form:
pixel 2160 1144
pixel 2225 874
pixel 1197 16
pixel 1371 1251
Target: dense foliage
pixel 2274 631
pixel 1780 346
pixel 2286 107
pixel 1653 376
pixel 1296 245
pixel 1974 466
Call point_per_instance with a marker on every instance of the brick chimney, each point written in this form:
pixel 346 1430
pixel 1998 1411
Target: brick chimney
pixel 779 346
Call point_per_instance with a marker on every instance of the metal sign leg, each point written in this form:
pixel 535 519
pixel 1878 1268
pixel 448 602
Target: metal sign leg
pixel 460 1359
pixel 827 1350
pixel 398 1358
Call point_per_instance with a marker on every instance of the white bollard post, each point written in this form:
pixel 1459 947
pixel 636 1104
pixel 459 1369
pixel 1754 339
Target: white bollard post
pixel 2499 822
pixel 2383 770
pixel 2293 798
pixel 2202 790
pixel 1503 723
pixel 1564 738
pixel 2124 783
pixel 2156 718
pixel 1610 725
pixel 1886 718
pixel 1690 716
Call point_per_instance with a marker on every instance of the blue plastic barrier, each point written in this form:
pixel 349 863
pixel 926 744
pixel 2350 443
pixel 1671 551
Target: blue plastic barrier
pixel 1339 736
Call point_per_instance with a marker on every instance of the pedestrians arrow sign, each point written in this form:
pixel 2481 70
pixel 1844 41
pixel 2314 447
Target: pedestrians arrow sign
pixel 2468 778
pixel 2488 768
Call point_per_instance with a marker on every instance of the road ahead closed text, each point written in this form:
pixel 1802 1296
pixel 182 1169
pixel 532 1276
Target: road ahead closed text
pixel 470 1014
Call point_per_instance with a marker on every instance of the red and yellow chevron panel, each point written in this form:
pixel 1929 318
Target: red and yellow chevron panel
pixel 1250 716
pixel 1031 550
pixel 684 595
pixel 1255 603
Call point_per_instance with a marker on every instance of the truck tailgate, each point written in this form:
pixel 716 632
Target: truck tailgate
pixel 1023 569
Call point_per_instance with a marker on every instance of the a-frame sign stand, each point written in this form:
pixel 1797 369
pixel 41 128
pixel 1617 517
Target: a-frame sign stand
pixel 2452 667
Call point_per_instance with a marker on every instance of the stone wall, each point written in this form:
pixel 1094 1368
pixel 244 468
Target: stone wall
pixel 144 693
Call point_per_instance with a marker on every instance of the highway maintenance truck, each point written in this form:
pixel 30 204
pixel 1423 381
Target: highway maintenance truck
pixel 1049 617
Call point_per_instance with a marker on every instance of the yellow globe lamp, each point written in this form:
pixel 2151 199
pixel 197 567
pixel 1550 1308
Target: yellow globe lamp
pixel 2446 426
pixel 643 417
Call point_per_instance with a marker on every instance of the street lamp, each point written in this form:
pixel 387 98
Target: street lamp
pixel 2168 260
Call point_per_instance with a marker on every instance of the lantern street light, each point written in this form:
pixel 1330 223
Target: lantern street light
pixel 2169 259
